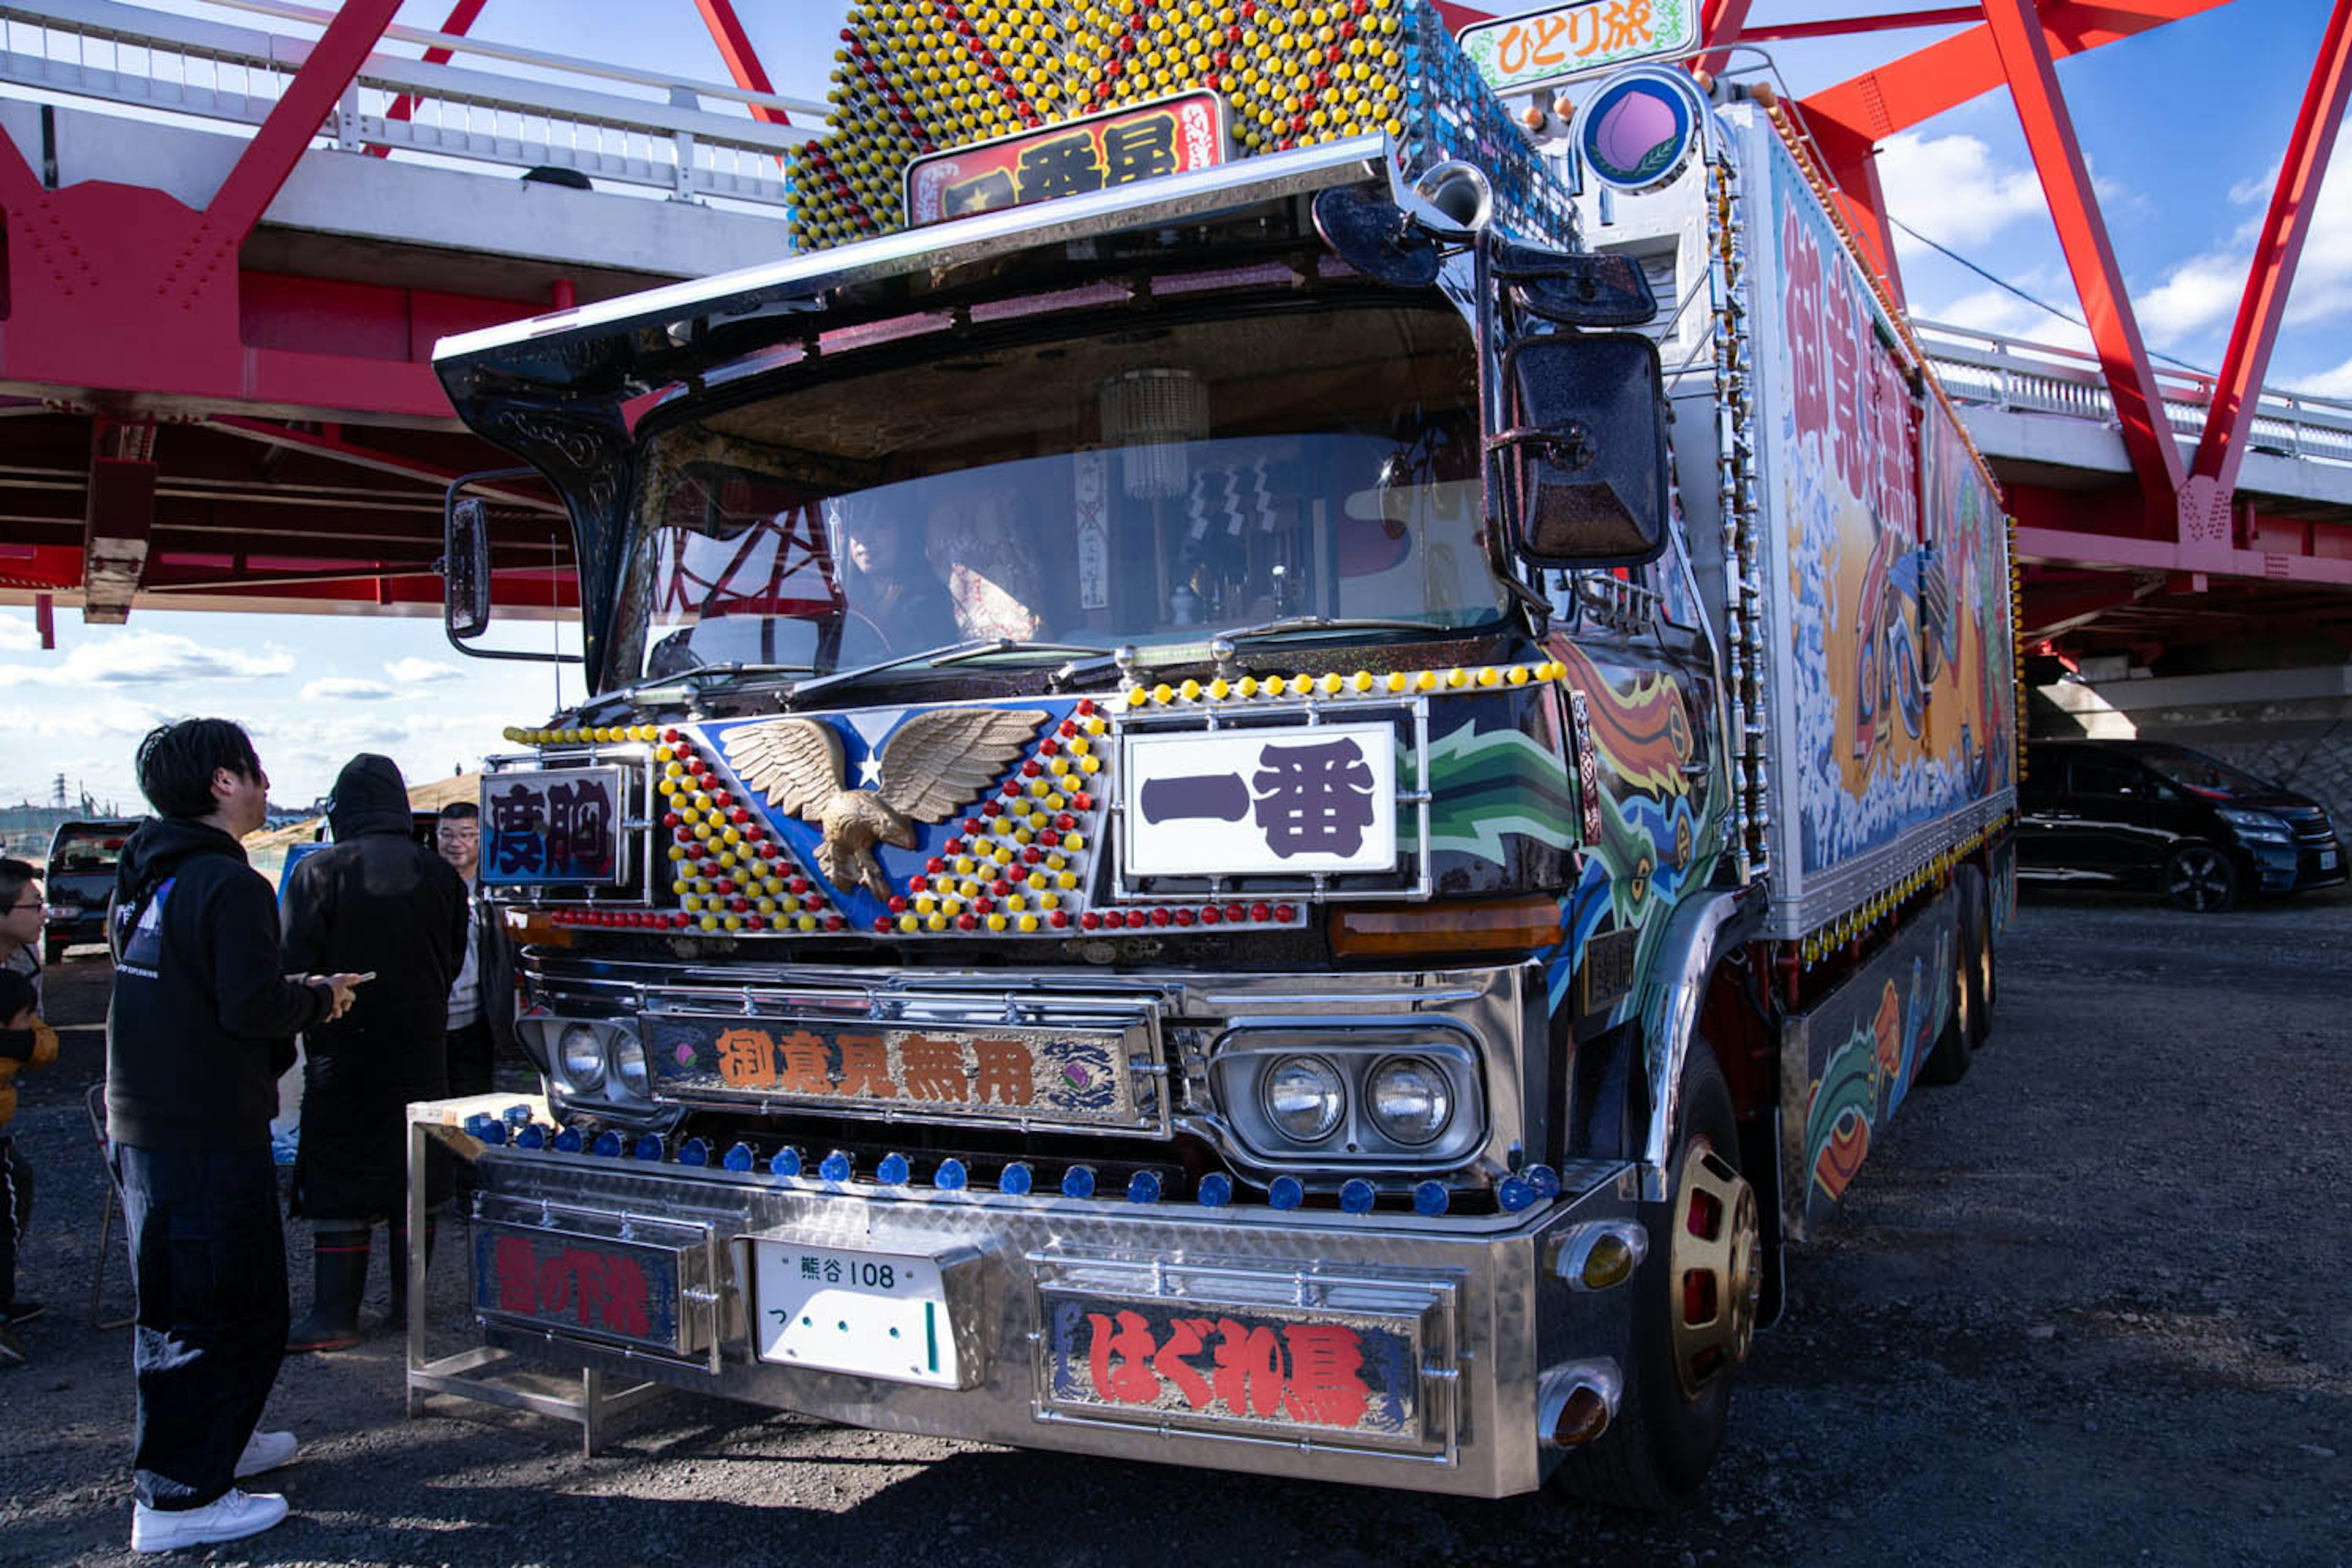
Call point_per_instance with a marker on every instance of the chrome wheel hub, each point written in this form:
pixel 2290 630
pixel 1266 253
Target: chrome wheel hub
pixel 1716 1257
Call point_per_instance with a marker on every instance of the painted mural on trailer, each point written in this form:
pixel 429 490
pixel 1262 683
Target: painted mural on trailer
pixel 1864 1051
pixel 1891 559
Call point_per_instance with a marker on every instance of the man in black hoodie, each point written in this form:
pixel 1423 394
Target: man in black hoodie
pixel 202 1024
pixel 377 901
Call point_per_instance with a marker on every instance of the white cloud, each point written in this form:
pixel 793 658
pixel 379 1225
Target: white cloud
pixel 2336 382
pixel 2200 295
pixel 1965 196
pixel 142 659
pixel 413 671
pixel 18 636
pixel 2002 313
pixel 340 688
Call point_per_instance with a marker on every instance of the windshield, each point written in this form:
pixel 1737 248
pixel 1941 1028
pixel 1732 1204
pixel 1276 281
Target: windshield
pixel 1152 485
pixel 2195 771
pixel 83 852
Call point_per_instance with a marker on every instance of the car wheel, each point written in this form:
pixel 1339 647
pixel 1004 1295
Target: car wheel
pixel 2201 879
pixel 52 947
pixel 1694 1313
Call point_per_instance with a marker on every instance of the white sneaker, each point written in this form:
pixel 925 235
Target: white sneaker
pixel 265 1451
pixel 232 1516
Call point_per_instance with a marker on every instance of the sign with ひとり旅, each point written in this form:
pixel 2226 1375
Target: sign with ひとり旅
pixel 1559 43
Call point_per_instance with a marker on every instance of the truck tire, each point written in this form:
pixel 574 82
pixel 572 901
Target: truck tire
pixel 1677 1391
pixel 2201 880
pixel 1980 969
pixel 1956 1048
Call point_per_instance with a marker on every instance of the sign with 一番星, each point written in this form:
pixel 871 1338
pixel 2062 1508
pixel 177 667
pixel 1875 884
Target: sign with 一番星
pixel 1558 43
pixel 1172 136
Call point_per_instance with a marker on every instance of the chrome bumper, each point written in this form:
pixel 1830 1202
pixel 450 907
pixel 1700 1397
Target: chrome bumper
pixel 1445 1327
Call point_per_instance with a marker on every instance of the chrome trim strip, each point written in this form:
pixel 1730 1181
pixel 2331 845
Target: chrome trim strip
pixel 1678 985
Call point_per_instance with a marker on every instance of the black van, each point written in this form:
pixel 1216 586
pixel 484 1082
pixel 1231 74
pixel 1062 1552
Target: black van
pixel 79 881
pixel 2145 814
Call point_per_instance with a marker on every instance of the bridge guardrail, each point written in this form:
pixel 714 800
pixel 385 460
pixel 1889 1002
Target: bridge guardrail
pixel 2040 378
pixel 210 70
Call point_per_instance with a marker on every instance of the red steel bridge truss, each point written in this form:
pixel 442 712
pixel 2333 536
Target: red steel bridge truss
pixel 193 415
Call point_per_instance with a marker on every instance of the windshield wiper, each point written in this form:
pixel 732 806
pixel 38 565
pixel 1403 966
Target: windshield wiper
pixel 1291 625
pixel 945 654
pixel 693 672
pixel 1013 644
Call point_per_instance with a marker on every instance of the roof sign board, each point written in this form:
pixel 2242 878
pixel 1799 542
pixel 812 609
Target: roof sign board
pixel 1172 136
pixel 1561 43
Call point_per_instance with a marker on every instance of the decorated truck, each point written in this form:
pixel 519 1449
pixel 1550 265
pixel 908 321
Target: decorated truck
pixel 1286 759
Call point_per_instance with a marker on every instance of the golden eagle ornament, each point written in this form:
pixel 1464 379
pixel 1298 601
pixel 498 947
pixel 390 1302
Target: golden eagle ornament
pixel 931 767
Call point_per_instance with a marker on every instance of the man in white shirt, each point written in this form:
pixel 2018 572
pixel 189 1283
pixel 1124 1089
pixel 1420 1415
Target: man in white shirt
pixel 472 1043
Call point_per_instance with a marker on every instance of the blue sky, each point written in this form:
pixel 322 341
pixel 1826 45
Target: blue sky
pixel 2183 127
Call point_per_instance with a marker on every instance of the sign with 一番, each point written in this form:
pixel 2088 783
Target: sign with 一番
pixel 1312 798
pixel 1542 48
pixel 1145 141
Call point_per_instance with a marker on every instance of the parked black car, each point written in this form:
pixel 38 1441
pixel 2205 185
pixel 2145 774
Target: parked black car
pixel 79 881
pixel 2149 814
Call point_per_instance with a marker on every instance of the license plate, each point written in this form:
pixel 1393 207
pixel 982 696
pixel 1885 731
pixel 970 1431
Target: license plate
pixel 2327 860
pixel 876 1314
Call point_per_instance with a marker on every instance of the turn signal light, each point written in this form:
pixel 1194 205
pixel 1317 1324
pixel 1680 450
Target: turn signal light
pixel 535 928
pixel 1389 931
pixel 1610 1262
pixel 1583 1417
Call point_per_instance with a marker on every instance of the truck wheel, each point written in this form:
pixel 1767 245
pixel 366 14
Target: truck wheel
pixel 2201 879
pixel 1955 1050
pixel 1693 1316
pixel 1981 964
pixel 1971 1020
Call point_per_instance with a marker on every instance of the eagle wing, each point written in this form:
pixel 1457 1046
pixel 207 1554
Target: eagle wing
pixel 939 762
pixel 795 763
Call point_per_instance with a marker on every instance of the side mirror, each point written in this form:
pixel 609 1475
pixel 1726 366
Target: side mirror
pixel 465 568
pixel 1581 459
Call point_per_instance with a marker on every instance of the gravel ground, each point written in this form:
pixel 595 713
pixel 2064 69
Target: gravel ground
pixel 2089 1307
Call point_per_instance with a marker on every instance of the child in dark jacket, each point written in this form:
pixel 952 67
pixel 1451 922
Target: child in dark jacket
pixel 25 1041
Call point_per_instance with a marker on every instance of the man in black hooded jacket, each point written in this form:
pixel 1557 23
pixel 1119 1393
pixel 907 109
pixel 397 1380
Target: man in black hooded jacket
pixel 378 900
pixel 201 1026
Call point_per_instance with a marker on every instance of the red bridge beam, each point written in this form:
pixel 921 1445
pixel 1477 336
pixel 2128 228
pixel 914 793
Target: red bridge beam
pixel 461 17
pixel 2213 472
pixel 742 60
pixel 2025 56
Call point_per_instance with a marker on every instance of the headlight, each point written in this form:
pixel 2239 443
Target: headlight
pixel 582 1054
pixel 1303 1097
pixel 629 1064
pixel 2258 825
pixel 1409 1099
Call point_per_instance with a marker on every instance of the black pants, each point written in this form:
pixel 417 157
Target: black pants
pixel 16 1208
pixel 471 1067
pixel 208 1262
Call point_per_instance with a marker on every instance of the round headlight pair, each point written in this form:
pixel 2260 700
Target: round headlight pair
pixel 584 1055
pixel 1408 1098
pixel 581 1049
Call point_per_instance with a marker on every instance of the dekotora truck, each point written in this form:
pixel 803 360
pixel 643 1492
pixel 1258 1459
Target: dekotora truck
pixel 1285 760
